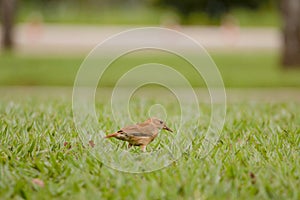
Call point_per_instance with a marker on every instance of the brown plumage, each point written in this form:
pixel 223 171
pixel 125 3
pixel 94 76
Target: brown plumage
pixel 140 134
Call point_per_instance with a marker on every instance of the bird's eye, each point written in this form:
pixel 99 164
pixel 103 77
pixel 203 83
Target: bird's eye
pixel 161 122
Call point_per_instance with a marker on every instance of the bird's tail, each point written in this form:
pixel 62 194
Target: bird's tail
pixel 111 135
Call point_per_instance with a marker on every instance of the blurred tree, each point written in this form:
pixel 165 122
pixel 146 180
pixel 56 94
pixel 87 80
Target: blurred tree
pixel 213 8
pixel 7 15
pixel 290 10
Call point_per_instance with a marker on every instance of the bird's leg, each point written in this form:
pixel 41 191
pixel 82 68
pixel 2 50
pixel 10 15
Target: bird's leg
pixel 143 148
pixel 129 145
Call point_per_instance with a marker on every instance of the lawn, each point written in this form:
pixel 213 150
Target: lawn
pixel 238 69
pixel 41 156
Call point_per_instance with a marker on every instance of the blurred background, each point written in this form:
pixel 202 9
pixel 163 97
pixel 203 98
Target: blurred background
pixel 255 43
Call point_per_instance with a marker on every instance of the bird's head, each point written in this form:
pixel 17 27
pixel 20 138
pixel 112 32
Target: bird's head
pixel 159 124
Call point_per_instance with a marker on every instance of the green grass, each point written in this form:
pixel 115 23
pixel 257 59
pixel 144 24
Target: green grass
pixel 257 156
pixel 239 69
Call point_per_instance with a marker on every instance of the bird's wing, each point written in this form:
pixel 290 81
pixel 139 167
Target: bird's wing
pixel 139 131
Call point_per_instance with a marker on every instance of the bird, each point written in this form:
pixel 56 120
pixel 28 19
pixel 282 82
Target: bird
pixel 140 134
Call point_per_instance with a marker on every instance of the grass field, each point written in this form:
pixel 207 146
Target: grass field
pixel 238 69
pixel 41 157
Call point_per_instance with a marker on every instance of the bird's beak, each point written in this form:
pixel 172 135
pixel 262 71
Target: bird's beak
pixel 167 128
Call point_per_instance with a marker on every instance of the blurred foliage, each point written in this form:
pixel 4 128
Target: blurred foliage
pixel 146 12
pixel 83 4
pixel 88 12
pixel 213 8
